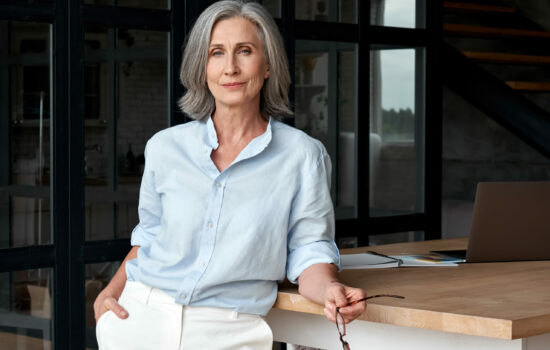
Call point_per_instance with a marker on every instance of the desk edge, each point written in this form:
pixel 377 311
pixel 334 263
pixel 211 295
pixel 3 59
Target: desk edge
pixel 426 319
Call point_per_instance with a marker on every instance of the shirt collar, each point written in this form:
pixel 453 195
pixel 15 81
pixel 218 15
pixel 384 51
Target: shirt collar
pixel 210 136
pixel 256 146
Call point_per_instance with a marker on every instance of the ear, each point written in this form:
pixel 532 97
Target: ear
pixel 266 75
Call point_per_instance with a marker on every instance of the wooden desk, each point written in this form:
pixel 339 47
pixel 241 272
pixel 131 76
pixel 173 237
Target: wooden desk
pixel 473 306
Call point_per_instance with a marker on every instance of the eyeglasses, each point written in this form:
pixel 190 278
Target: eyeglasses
pixel 341 323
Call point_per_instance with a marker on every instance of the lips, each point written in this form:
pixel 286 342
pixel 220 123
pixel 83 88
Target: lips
pixel 232 84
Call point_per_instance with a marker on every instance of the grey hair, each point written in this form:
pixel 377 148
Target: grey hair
pixel 198 101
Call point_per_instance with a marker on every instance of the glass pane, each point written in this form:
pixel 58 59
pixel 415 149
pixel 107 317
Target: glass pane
pixel 347 112
pixel 97 278
pixel 397 129
pixel 273 6
pixel 34 1
pixel 125 103
pixel 398 13
pixel 99 214
pixel 396 237
pixel 30 220
pixel 327 10
pixel 95 38
pixel 142 111
pixel 127 38
pixel 325 98
pixel 95 98
pixel 25 113
pixel 26 306
pixel 148 4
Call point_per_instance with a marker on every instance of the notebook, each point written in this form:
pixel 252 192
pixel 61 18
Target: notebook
pixel 374 260
pixel 511 222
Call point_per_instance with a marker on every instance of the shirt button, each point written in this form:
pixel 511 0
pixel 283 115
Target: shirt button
pixel 205 150
pixel 210 224
pixel 218 185
pixel 202 264
pixel 182 296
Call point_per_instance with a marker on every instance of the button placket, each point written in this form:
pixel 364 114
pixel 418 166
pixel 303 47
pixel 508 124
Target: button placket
pixel 207 243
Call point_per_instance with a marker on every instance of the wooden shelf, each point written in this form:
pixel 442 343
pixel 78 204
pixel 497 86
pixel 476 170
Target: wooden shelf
pixel 497 57
pixel 470 7
pixel 529 86
pixel 482 31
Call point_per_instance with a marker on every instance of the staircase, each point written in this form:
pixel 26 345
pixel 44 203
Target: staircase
pixel 504 66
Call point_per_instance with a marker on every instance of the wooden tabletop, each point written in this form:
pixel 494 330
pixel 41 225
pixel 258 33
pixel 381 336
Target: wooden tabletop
pixel 499 300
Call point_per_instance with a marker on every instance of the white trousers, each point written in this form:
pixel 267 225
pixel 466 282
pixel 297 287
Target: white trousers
pixel 157 322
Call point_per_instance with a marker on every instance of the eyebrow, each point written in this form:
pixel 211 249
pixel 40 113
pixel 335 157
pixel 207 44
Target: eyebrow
pixel 244 43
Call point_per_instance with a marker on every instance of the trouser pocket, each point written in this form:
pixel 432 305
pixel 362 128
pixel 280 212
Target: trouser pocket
pixel 147 327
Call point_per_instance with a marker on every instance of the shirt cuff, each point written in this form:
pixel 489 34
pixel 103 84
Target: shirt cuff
pixel 140 237
pixel 313 253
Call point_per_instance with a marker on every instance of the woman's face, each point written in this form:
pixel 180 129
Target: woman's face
pixel 236 66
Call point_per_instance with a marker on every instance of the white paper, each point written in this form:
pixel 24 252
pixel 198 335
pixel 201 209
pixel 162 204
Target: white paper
pixel 372 261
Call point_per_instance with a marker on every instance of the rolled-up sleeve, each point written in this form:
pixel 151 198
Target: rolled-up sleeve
pixel 311 226
pixel 150 206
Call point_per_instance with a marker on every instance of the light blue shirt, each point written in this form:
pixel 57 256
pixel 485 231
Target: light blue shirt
pixel 226 239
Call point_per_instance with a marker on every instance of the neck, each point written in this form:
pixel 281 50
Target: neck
pixel 234 125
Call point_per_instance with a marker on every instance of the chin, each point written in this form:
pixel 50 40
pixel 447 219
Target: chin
pixel 232 103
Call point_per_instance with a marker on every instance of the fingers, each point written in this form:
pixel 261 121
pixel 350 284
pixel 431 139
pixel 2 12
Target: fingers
pixel 330 312
pixel 110 303
pixel 341 295
pixel 350 313
pixel 354 293
pixel 337 295
pixel 115 307
pixel 340 299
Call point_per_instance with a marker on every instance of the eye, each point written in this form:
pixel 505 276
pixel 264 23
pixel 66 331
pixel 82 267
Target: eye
pixel 245 51
pixel 217 53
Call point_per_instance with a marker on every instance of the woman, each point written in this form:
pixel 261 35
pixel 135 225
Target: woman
pixel 229 204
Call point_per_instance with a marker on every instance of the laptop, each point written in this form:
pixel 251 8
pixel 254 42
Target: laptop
pixel 511 222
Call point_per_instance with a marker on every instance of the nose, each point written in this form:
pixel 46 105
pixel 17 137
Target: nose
pixel 231 65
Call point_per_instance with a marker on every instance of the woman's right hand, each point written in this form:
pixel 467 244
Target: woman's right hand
pixel 107 298
pixel 105 302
